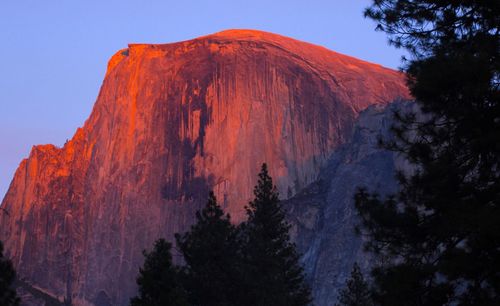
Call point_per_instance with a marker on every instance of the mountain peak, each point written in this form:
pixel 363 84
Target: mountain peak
pixel 246 34
pixel 171 122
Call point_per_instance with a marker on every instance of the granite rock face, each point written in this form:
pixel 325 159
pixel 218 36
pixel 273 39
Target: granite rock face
pixel 171 122
pixel 323 215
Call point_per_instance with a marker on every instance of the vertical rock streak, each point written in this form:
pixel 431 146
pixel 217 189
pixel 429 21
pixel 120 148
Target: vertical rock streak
pixel 171 122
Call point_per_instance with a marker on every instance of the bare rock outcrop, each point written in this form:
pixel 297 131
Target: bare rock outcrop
pixel 323 215
pixel 171 122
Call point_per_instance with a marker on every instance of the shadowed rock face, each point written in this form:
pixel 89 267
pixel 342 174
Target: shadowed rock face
pixel 171 122
pixel 323 215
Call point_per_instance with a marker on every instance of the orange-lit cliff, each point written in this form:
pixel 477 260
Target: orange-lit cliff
pixel 171 122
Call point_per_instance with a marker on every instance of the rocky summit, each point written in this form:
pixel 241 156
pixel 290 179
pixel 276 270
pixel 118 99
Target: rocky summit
pixel 171 122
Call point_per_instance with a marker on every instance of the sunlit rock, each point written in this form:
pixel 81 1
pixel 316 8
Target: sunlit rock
pixel 171 122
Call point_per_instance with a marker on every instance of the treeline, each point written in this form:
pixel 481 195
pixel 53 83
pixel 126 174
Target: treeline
pixel 437 240
pixel 254 263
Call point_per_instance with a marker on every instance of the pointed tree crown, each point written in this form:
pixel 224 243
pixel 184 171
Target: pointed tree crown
pixel 274 274
pixel 210 250
pixel 159 280
pixel 357 291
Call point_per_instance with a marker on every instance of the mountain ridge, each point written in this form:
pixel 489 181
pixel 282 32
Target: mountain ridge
pixel 170 123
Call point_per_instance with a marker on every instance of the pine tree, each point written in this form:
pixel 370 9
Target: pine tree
pixel 439 237
pixel 159 280
pixel 210 251
pixel 8 295
pixel 357 291
pixel 274 275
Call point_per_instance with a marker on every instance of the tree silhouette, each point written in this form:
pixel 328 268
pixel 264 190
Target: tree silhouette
pixel 356 292
pixel 273 273
pixel 159 280
pixel 8 295
pixel 439 237
pixel 210 249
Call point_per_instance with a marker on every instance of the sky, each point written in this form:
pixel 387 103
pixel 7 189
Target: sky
pixel 54 53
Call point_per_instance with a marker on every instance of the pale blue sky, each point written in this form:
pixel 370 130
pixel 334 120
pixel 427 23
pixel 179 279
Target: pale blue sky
pixel 53 54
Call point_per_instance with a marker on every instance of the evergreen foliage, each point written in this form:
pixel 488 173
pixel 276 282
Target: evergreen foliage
pixel 252 264
pixel 357 291
pixel 210 251
pixel 273 273
pixel 439 237
pixel 8 295
pixel 159 280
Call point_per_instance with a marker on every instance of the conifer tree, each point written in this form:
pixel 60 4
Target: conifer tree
pixel 439 237
pixel 357 291
pixel 210 249
pixel 273 273
pixel 8 295
pixel 159 280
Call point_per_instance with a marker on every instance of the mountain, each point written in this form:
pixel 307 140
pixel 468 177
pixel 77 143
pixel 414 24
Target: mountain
pixel 171 122
pixel 323 215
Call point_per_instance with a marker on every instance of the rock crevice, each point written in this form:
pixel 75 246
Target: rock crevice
pixel 171 122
